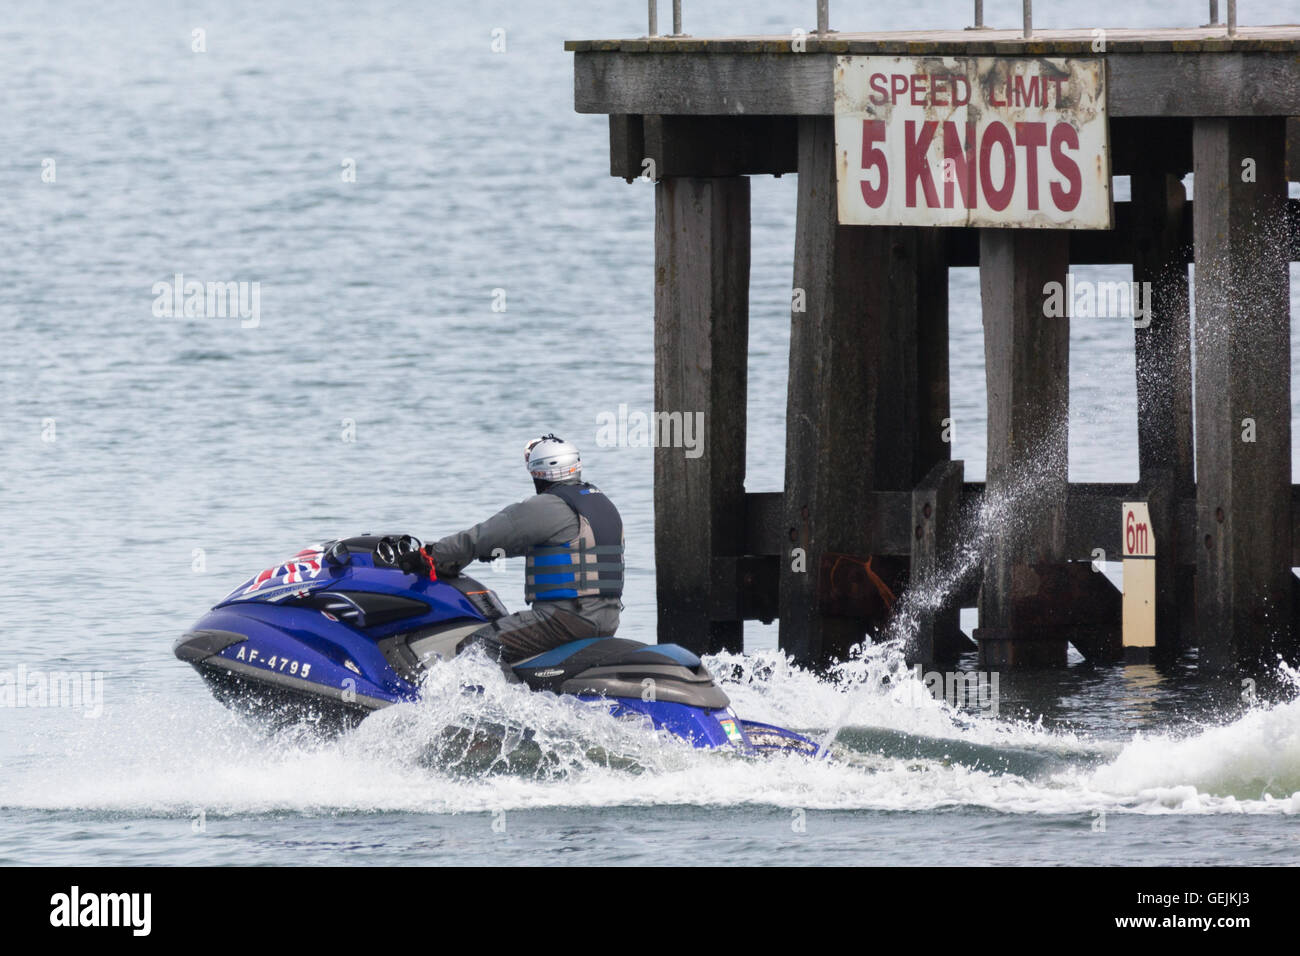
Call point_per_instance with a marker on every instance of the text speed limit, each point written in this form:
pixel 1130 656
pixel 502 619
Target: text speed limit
pixel 972 141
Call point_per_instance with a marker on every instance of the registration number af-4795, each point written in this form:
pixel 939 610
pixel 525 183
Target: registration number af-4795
pixel 278 663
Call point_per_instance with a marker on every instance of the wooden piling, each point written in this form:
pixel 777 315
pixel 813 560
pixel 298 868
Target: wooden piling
pixel 828 465
pixel 936 507
pixel 1243 392
pixel 1164 379
pixel 1027 368
pixel 934 406
pixel 852 416
pixel 701 365
pixel 936 497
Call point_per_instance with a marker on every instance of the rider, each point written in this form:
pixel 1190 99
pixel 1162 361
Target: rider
pixel 572 536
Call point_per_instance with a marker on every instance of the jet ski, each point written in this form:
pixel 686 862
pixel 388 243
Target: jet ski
pixel 341 630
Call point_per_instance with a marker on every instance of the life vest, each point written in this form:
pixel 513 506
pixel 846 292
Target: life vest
pixel 591 565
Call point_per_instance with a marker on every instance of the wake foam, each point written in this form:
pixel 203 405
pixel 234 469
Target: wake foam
pixel 476 744
pixel 1251 763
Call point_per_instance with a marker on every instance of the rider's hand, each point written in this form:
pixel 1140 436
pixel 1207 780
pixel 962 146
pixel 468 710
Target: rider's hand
pixel 446 569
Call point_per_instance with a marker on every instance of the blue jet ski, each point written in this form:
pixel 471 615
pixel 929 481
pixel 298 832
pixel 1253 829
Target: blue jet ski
pixel 341 630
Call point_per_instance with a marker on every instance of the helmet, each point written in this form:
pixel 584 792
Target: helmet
pixel 552 459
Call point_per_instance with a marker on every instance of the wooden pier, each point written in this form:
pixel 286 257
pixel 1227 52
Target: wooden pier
pixel 872 500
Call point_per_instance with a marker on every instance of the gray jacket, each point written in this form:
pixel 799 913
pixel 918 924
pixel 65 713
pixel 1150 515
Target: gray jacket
pixel 540 520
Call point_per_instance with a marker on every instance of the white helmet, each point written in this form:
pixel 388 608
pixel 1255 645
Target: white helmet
pixel 552 459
